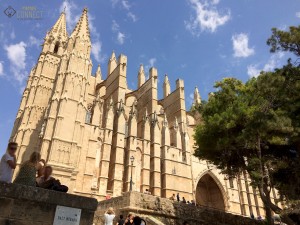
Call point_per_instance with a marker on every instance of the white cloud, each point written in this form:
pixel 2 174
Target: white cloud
pixel 215 2
pixel 16 53
pixel 152 61
pixel 241 47
pixel 1 69
pixel 207 16
pixel 97 51
pixel 115 27
pixel 253 70
pixel 95 39
pixel 114 2
pixel 126 4
pixel 132 16
pixel 120 35
pixel 298 14
pixel 121 38
pixel 33 41
pixel 71 19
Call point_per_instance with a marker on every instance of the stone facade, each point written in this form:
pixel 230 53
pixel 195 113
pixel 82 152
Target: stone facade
pixel 87 128
pixel 23 205
pixel 159 211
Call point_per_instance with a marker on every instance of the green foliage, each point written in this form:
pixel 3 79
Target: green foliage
pixel 285 40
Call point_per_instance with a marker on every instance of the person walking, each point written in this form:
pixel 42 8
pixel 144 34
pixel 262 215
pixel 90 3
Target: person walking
pixel 178 197
pixel 28 170
pixel 8 162
pixel 121 221
pixel 109 216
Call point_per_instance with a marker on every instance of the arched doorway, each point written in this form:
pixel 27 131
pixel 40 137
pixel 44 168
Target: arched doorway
pixel 209 194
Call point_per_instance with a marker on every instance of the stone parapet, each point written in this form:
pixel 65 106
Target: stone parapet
pixel 168 212
pixel 23 205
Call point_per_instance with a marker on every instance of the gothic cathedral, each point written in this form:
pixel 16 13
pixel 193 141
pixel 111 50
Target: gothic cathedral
pixel 90 128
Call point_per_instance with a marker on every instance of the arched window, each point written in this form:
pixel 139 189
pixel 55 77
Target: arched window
pixel 56 47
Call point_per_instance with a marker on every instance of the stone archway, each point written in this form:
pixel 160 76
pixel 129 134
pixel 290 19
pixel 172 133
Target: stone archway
pixel 209 194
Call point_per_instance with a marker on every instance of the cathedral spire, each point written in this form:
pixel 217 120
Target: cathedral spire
pixel 57 36
pixel 98 75
pixel 141 76
pixel 167 88
pixel 82 27
pixel 59 29
pixel 197 98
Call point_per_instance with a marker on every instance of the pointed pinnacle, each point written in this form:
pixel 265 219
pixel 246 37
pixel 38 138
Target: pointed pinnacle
pixel 98 74
pixel 166 79
pixel 82 26
pixel 141 68
pixel 113 55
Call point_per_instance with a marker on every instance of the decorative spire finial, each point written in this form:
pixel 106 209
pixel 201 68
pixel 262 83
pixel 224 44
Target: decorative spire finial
pixel 197 98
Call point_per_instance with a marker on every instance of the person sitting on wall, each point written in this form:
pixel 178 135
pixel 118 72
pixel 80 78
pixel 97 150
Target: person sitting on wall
pixel 8 162
pixel 29 170
pixel 183 200
pixel 48 182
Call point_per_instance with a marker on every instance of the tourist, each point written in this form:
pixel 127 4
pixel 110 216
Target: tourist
pixel 138 221
pixel 193 203
pixel 109 216
pixel 8 162
pixel 188 202
pixel 183 200
pixel 252 216
pixel 178 197
pixel 129 220
pixel 172 197
pixel 28 170
pixel 48 182
pixel 121 221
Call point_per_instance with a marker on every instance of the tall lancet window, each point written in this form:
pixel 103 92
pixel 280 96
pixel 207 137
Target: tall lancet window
pixel 56 47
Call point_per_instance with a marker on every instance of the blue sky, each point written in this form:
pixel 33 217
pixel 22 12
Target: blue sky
pixel 200 41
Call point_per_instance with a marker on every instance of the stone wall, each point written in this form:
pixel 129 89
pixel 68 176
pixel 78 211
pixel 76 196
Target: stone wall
pixel 23 205
pixel 157 210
